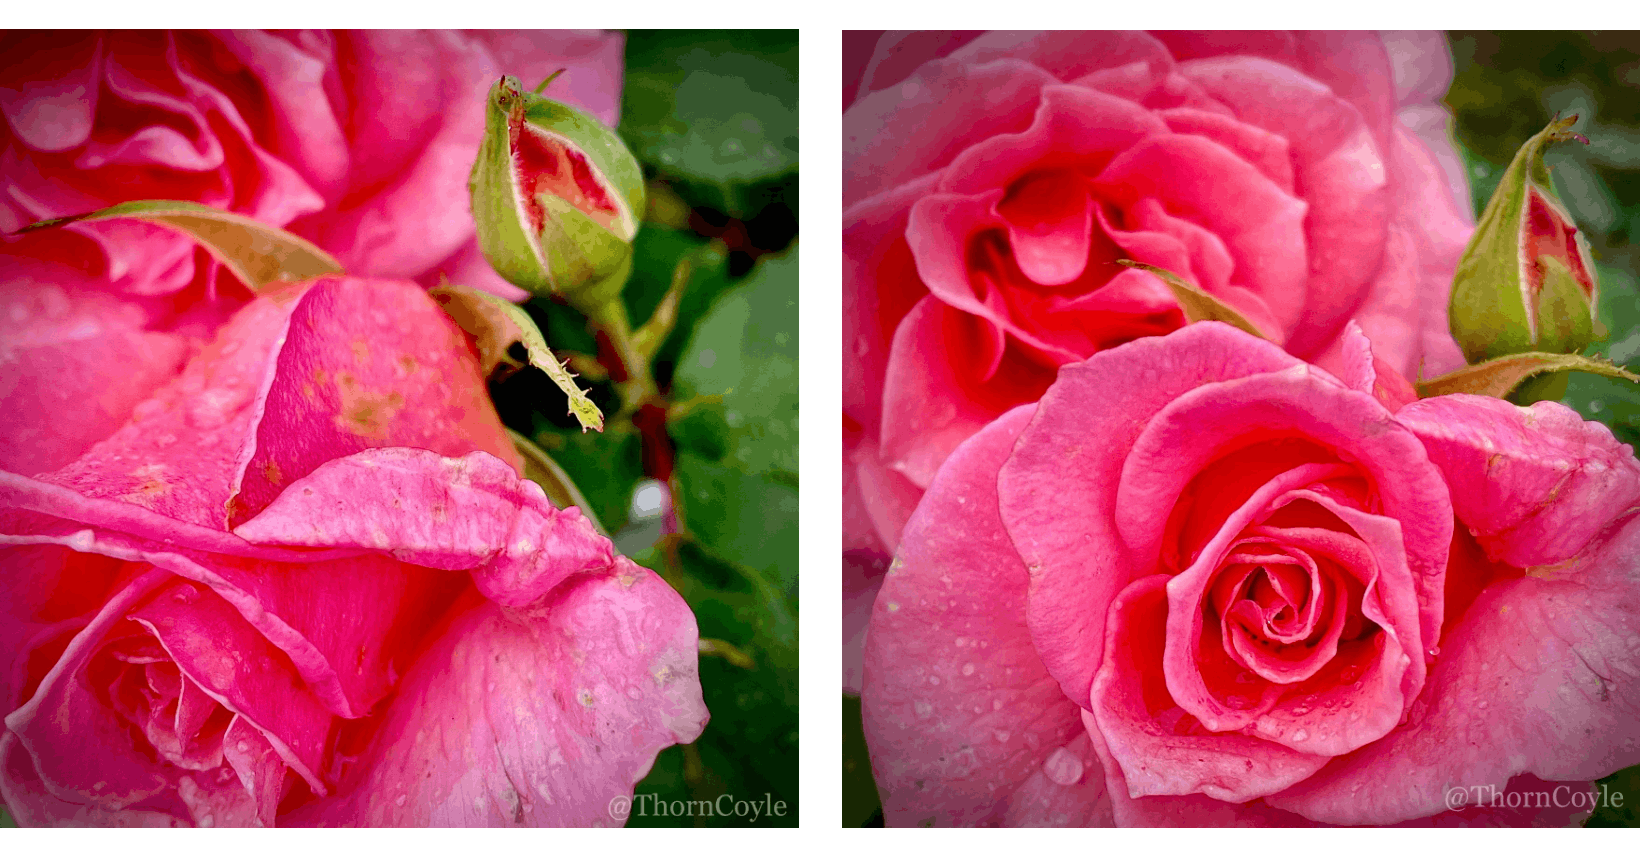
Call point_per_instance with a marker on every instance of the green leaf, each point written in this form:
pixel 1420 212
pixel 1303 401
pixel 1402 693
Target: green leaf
pixel 714 111
pixel 746 517
pixel 553 480
pixel 737 426
pixel 1197 304
pixel 259 254
pixel 1498 377
pixel 495 325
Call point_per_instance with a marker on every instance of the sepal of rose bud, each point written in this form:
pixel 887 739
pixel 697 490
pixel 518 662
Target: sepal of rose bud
pixel 556 197
pixel 1526 282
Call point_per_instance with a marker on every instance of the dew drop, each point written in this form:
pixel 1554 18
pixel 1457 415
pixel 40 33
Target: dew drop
pixel 1002 736
pixel 923 708
pixel 400 800
pixel 1300 735
pixel 968 669
pixel 1062 767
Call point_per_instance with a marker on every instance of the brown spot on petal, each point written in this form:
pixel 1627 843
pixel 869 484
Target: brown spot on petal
pixel 367 415
pixel 270 470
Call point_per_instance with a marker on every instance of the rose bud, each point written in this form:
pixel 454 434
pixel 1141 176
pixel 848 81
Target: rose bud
pixel 1526 281
pixel 556 196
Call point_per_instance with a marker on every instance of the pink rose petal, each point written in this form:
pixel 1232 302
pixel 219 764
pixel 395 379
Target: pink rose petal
pixel 1533 484
pixel 1161 749
pixel 366 364
pixel 535 718
pixel 470 513
pixel 949 664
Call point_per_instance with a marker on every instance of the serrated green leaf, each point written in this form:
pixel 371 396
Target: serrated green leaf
pixel 1498 377
pixel 1197 304
pixel 259 254
pixel 496 325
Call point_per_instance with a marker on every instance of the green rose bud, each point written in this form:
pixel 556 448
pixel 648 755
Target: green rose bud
pixel 1526 281
pixel 556 197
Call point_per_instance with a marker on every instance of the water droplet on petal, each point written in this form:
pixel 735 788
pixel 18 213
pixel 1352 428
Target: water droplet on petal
pixel 1300 736
pixel 968 669
pixel 1062 767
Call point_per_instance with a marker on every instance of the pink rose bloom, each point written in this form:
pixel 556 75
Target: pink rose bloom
pixel 1203 582
pixel 360 140
pixel 991 181
pixel 300 581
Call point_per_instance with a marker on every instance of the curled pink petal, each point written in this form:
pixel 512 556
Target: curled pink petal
pixel 469 513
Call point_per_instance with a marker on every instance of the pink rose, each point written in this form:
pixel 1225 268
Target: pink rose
pixel 1202 582
pixel 303 583
pixel 360 140
pixel 991 182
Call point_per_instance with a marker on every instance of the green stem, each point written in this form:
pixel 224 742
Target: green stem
pixel 639 386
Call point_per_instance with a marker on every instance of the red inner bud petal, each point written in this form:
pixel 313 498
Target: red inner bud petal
pixel 1547 232
pixel 543 163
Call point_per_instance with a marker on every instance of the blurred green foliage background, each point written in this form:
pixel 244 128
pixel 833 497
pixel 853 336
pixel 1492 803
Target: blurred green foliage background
pixel 712 116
